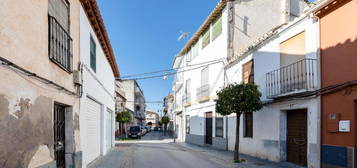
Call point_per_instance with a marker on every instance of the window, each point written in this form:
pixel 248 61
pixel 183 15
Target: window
pixel 187 124
pixel 194 51
pixel 59 39
pixel 206 39
pixel 248 125
pixel 188 86
pixel 217 28
pixel 219 126
pixel 292 50
pixel 204 76
pixel 248 72
pixel 93 55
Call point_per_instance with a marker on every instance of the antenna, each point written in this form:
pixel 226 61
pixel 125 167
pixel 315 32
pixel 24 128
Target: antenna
pixel 183 35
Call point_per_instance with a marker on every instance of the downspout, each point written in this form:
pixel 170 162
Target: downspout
pixel 230 47
pixel 319 107
pixel 285 11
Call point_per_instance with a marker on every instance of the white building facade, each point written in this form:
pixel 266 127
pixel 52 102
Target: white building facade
pixel 97 102
pixel 286 71
pixel 200 65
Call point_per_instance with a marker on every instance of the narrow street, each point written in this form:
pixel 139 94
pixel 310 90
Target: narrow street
pixel 156 151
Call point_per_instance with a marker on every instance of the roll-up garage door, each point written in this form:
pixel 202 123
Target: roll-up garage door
pixel 93 130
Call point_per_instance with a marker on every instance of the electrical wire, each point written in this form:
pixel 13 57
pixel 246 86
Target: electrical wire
pixel 173 73
pixel 169 71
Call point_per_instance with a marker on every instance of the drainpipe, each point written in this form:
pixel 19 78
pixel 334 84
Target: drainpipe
pixel 319 107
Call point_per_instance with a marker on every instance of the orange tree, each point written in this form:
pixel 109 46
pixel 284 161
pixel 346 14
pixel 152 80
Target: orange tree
pixel 238 99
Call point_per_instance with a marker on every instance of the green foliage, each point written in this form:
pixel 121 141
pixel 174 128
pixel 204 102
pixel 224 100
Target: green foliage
pixel 123 117
pixel 165 120
pixel 238 98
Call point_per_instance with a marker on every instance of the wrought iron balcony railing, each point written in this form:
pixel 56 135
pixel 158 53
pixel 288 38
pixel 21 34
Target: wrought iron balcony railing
pixel 60 45
pixel 203 93
pixel 295 78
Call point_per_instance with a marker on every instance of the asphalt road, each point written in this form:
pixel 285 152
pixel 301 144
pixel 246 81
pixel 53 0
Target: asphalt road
pixel 155 151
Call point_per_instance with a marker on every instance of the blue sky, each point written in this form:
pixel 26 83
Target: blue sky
pixel 144 36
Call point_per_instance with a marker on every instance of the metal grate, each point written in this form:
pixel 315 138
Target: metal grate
pixel 59 135
pixel 60 45
pixel 294 78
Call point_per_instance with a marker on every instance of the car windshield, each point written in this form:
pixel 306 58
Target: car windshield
pixel 136 129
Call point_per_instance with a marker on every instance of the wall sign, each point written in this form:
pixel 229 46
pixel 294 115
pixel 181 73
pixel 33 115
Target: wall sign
pixel 344 126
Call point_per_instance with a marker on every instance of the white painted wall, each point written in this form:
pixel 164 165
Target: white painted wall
pixel 269 124
pixel 99 85
pixel 215 50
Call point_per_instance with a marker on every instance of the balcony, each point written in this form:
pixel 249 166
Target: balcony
pixel 203 93
pixel 187 99
pixel 296 78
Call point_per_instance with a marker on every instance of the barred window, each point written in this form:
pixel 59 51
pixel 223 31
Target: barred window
pixel 187 124
pixel 219 126
pixel 60 41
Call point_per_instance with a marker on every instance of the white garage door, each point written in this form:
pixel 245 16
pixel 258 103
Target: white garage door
pixel 109 128
pixel 93 130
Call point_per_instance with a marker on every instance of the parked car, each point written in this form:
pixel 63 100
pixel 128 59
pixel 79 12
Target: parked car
pixel 147 129
pixel 156 128
pixel 135 132
pixel 143 130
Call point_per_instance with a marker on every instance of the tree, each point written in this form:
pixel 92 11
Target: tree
pixel 124 118
pixel 165 120
pixel 238 99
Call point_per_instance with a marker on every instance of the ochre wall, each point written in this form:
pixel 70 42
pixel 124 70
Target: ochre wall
pixel 26 104
pixel 339 65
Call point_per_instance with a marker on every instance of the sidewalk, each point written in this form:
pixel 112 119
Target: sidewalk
pixel 227 156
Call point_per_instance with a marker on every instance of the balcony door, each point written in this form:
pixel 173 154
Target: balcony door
pixel 292 65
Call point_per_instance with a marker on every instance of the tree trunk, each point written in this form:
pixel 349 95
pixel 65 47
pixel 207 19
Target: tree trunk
pixel 236 149
pixel 126 133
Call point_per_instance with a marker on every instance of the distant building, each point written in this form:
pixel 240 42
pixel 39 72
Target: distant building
pixel 152 117
pixel 135 101
pixel 120 104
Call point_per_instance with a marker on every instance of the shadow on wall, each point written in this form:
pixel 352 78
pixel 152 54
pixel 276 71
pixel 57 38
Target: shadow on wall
pixel 22 136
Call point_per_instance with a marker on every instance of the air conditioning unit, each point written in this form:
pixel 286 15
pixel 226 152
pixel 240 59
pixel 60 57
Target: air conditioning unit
pixel 77 78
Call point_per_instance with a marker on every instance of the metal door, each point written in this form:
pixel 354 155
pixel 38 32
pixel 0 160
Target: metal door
pixel 297 136
pixel 208 128
pixel 59 135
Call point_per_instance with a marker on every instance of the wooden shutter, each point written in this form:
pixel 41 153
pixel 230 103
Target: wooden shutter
pixel 248 72
pixel 248 125
pixel 292 50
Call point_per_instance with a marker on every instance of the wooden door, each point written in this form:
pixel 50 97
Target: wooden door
pixel 297 136
pixel 208 137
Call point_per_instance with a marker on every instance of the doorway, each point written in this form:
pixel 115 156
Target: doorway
pixel 59 134
pixel 208 137
pixel 297 136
